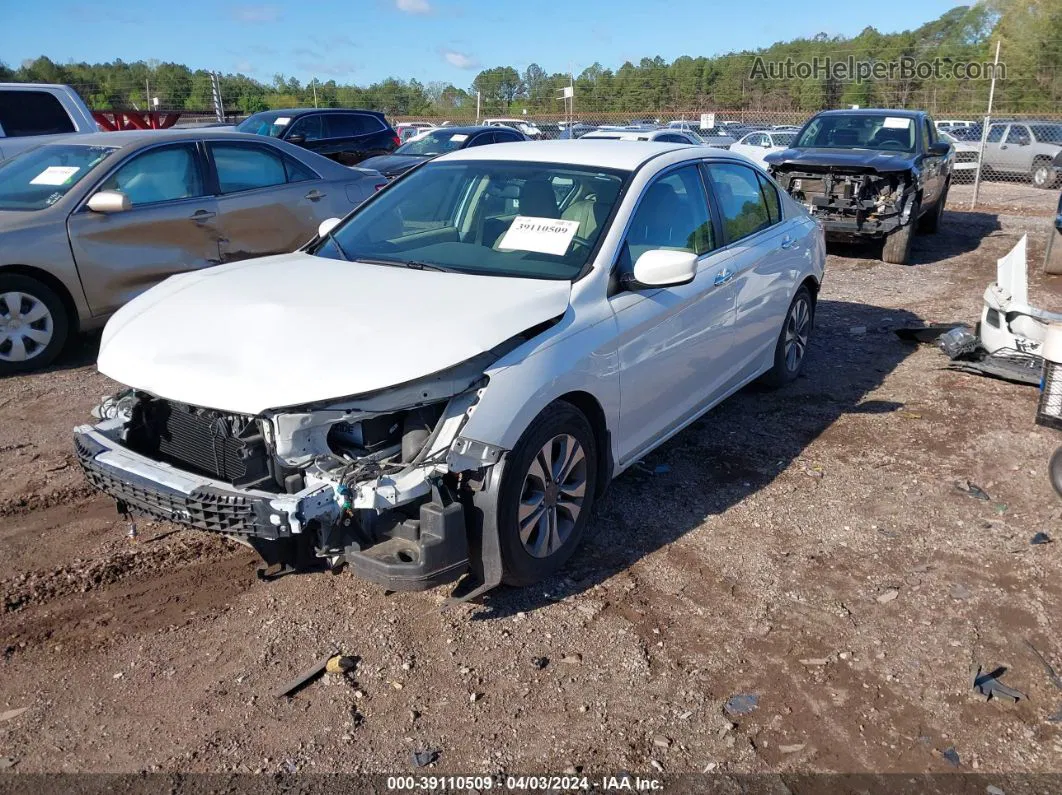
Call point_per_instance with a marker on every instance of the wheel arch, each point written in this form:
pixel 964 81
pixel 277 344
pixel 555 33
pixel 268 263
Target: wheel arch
pixel 54 284
pixel 595 415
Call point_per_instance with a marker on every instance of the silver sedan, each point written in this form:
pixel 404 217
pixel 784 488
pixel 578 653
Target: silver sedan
pixel 89 222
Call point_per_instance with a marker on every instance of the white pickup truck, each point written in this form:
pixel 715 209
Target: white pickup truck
pixel 36 113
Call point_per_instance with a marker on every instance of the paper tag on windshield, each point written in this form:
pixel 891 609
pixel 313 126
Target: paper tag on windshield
pixel 55 175
pixel 458 137
pixel 896 123
pixel 283 121
pixel 541 235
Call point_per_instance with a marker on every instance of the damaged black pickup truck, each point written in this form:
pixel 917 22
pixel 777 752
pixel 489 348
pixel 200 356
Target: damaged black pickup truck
pixel 874 174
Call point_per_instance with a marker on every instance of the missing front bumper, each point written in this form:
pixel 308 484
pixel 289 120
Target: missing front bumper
pixel 289 531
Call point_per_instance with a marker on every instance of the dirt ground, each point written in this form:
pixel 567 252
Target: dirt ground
pixel 809 547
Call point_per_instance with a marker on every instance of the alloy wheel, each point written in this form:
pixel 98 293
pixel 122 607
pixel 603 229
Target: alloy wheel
pixel 552 497
pixel 797 332
pixel 26 326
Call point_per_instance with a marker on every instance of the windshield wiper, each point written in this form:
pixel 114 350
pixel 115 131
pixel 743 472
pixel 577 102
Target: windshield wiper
pixel 331 236
pixel 403 263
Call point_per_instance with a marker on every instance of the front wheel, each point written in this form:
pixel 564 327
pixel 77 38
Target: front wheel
pixel 1055 471
pixel 790 352
pixel 33 324
pixel 546 494
pixel 897 247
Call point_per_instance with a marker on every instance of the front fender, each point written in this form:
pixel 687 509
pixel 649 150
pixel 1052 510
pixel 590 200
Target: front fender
pixel 522 385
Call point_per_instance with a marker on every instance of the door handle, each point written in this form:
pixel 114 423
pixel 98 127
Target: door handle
pixel 202 215
pixel 788 242
pixel 315 195
pixel 725 276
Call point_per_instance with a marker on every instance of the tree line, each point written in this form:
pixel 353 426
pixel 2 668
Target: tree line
pixel 1030 32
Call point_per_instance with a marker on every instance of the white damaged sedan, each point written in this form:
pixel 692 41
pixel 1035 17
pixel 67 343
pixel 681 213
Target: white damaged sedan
pixel 444 382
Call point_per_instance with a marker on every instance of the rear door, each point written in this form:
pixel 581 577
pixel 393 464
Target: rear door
pixel 1016 151
pixel 767 253
pixel 171 228
pixel 268 203
pixel 353 137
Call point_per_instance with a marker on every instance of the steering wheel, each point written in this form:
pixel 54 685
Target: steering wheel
pixel 890 144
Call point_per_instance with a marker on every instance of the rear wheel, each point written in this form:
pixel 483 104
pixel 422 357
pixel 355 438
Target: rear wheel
pixel 1055 471
pixel 33 324
pixel 791 349
pixel 897 247
pixel 1043 173
pixel 546 494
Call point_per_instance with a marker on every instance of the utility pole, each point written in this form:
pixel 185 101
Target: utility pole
pixel 313 82
pixel 477 107
pixel 984 131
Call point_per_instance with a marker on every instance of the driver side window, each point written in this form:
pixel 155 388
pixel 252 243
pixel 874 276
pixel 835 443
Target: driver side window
pixel 673 214
pixel 310 127
pixel 159 175
pixel 995 133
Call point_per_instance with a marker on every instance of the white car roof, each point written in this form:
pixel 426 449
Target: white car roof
pixel 624 155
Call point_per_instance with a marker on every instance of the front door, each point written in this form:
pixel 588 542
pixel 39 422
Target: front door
pixel 674 342
pixel 171 228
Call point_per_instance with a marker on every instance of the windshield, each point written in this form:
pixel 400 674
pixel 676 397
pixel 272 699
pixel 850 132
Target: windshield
pixel 436 142
pixel 532 220
pixel 40 177
pixel 859 131
pixel 270 122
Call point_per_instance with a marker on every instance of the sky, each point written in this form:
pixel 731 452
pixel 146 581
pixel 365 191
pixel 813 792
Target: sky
pixel 363 41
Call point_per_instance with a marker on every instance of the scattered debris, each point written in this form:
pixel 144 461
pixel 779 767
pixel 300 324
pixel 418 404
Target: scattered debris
pixel 926 334
pixel 791 749
pixel 910 415
pixel 991 790
pixel 958 343
pixel 973 490
pixel 815 661
pixel 662 742
pixel 7 762
pixel 572 659
pixel 340 664
pixel 951 756
pixel 960 591
pixel 1040 538
pixel 656 765
pixel 540 662
pixel 741 704
pixel 1056 680
pixel 988 685
pixel 306 676
pixel 474 696
pixel 426 757
pixel 888 596
pixel 11 714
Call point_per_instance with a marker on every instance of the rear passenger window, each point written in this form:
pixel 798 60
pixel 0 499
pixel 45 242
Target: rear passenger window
pixel 673 214
pixel 741 201
pixel 347 125
pixel 243 168
pixel 770 195
pixel 25 113
pixel 297 172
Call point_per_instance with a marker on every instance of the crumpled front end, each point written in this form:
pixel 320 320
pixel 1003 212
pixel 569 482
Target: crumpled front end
pixel 851 203
pixel 379 482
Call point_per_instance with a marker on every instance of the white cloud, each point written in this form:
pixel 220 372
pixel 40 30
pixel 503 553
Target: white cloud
pixel 256 13
pixel 245 67
pixel 413 6
pixel 459 59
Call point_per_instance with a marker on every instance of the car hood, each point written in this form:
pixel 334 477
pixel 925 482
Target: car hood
pixel 389 165
pixel 843 158
pixel 294 329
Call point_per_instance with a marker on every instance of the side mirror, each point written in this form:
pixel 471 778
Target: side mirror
pixel 766 144
pixel 298 139
pixel 327 225
pixel 664 268
pixel 109 201
pixel 940 148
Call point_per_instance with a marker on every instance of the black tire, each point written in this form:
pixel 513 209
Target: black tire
pixel 790 352
pixel 518 487
pixel 1043 173
pixel 897 247
pixel 56 324
pixel 1055 471
pixel 930 222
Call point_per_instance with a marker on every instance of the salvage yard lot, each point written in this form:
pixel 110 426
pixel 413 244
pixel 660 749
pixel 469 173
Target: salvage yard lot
pixel 808 546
